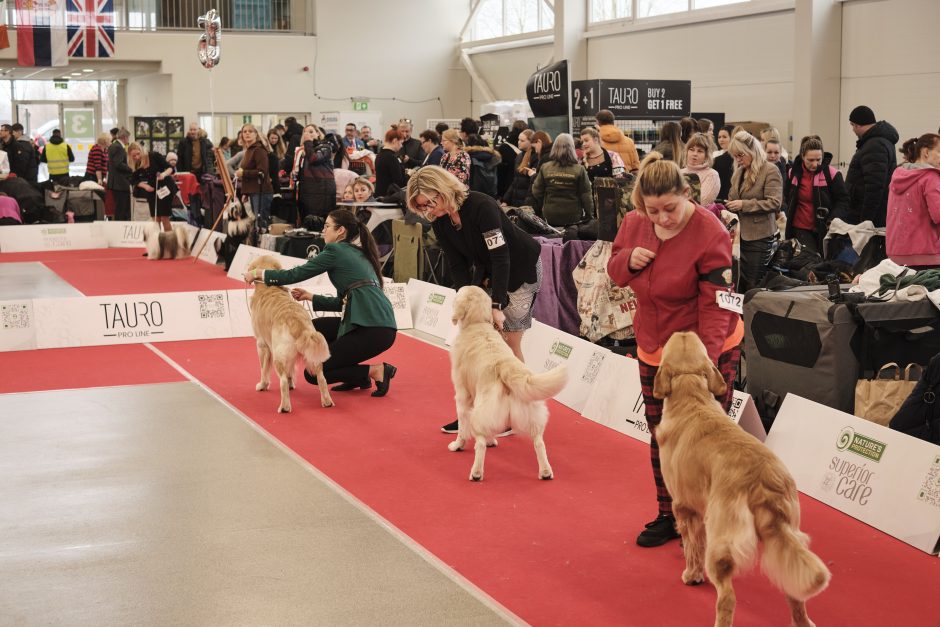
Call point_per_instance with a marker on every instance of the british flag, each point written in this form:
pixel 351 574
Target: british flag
pixel 90 28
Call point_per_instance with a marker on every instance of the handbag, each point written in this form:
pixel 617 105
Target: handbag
pixel 140 209
pixel 879 399
pixel 605 308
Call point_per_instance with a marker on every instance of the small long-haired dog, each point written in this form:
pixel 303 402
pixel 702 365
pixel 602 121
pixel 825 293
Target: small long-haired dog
pixel 728 489
pixel 166 244
pixel 492 387
pixel 238 220
pixel 283 331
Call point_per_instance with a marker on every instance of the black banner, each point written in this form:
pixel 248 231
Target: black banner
pixel 547 91
pixel 630 99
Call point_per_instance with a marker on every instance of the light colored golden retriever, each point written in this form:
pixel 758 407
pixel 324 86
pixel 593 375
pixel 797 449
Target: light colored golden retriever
pixel 283 331
pixel 728 489
pixel 493 388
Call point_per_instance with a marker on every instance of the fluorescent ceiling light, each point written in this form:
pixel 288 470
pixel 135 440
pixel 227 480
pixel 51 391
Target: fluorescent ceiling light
pixel 87 70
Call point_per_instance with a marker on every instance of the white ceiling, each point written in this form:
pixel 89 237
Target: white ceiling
pixel 100 70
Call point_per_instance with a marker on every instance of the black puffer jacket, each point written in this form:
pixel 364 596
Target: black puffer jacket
pixel 828 191
pixel 870 173
pixel 518 190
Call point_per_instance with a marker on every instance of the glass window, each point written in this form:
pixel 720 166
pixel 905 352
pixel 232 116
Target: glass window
pixel 704 4
pixel 650 8
pixel 605 10
pixel 500 18
pixel 6 104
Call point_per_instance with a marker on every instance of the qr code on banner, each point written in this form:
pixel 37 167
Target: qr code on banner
pixel 15 316
pixel 594 365
pixel 736 405
pixel 212 305
pixel 397 295
pixel 429 316
pixel 930 491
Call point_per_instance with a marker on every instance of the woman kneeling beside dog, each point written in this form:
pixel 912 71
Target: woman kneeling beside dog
pixel 367 327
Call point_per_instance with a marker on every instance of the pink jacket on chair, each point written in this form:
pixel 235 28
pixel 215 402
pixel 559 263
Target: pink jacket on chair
pixel 913 222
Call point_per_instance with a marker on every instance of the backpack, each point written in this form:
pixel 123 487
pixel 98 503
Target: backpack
pixel 918 416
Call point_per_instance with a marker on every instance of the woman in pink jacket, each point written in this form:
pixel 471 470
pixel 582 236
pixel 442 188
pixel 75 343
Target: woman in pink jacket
pixel 913 222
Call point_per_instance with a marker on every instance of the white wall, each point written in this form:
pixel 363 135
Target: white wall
pixel 392 52
pixel 507 71
pixel 890 63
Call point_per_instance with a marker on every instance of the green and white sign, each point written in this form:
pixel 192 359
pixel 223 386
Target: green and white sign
pixel 79 124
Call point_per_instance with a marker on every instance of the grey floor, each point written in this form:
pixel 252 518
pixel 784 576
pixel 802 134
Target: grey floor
pixel 31 279
pixel 159 505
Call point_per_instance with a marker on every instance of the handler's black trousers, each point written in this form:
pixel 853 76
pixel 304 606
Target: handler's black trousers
pixel 350 350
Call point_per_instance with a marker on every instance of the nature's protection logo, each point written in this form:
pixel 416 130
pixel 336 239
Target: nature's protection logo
pixel 561 349
pixel 437 299
pixel 860 444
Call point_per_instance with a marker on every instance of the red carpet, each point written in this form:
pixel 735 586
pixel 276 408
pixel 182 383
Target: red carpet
pixel 558 552
pixel 86 367
pixel 73 255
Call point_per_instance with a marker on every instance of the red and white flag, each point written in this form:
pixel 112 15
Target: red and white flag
pixel 40 33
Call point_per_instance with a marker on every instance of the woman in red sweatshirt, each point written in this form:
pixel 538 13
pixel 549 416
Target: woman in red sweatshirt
pixel 675 256
pixel 913 224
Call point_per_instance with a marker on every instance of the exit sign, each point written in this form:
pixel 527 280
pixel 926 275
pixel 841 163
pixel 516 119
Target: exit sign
pixel 63 84
pixel 360 105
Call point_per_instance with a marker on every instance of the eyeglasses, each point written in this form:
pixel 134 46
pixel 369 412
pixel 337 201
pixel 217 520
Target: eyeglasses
pixel 327 225
pixel 424 207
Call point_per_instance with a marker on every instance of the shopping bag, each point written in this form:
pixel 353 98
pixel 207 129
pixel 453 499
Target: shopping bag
pixel 879 399
pixel 605 309
pixel 140 210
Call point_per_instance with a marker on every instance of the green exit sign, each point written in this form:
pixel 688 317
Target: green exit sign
pixel 63 84
pixel 360 105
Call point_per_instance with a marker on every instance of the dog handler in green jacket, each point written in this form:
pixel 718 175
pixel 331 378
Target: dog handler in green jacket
pixel 367 327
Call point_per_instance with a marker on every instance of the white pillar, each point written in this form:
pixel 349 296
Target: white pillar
pixel 817 74
pixel 570 25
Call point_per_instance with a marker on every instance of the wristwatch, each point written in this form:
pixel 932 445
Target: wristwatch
pixel 497 306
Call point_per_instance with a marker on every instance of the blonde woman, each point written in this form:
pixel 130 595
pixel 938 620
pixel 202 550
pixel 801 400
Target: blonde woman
pixel 756 195
pixel 675 256
pixel 483 247
pixel 456 160
pixel 698 161
pixel 255 174
pixel 150 171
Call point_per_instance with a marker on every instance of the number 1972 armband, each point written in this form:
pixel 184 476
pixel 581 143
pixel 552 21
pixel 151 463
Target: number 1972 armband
pixel 718 276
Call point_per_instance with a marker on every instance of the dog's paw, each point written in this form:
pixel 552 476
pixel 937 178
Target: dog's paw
pixel 455 446
pixel 326 403
pixel 291 384
pixel 478 477
pixel 261 387
pixel 492 443
pixel 284 410
pixel 691 578
pixel 547 476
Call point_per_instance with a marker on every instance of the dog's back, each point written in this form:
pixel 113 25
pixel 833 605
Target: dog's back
pixel 280 321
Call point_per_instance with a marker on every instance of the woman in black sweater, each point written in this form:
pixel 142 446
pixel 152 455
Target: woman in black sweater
pixel 388 168
pixel 482 247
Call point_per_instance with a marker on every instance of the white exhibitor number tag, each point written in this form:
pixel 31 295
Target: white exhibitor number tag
pixel 493 239
pixel 731 301
pixel 163 192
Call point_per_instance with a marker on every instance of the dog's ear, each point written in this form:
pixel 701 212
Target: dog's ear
pixel 662 383
pixel 716 381
pixel 460 310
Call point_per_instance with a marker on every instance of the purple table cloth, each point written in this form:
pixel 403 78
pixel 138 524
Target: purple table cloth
pixel 557 302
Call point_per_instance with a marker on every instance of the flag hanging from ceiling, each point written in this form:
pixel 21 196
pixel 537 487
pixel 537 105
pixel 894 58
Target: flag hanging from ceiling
pixel 90 28
pixel 40 33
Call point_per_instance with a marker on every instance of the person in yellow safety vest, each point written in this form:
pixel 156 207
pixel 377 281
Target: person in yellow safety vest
pixel 57 154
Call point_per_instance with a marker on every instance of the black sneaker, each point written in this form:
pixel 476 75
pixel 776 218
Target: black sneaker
pixel 658 532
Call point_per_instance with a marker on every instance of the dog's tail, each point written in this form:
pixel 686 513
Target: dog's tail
pixel 534 387
pixel 313 348
pixel 788 562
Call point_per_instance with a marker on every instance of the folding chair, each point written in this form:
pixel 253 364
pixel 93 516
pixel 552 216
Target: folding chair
pixel 412 257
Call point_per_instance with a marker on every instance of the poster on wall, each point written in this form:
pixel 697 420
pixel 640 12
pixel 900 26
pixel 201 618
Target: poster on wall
pixel 160 134
pixel 629 100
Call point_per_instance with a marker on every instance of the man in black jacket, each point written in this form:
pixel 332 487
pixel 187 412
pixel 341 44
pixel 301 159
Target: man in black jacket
pixel 24 160
pixel 195 153
pixel 119 176
pixel 411 154
pixel 871 168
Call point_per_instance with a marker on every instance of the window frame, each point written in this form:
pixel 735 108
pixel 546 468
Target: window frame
pixel 467 42
pixel 679 18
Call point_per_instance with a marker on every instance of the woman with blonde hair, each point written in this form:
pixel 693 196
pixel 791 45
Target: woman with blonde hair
pixel 255 174
pixel 698 161
pixel 482 247
pixel 676 257
pixel 756 195
pixel 456 160
pixel 151 172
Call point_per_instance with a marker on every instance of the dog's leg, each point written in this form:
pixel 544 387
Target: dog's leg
pixel 264 356
pixel 464 406
pixel 798 614
pixel 325 399
pixel 479 449
pixel 720 567
pixel 545 469
pixel 692 529
pixel 282 368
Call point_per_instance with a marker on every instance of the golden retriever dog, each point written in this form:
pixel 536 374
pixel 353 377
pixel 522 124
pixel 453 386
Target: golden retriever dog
pixel 728 489
pixel 283 332
pixel 166 244
pixel 492 387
